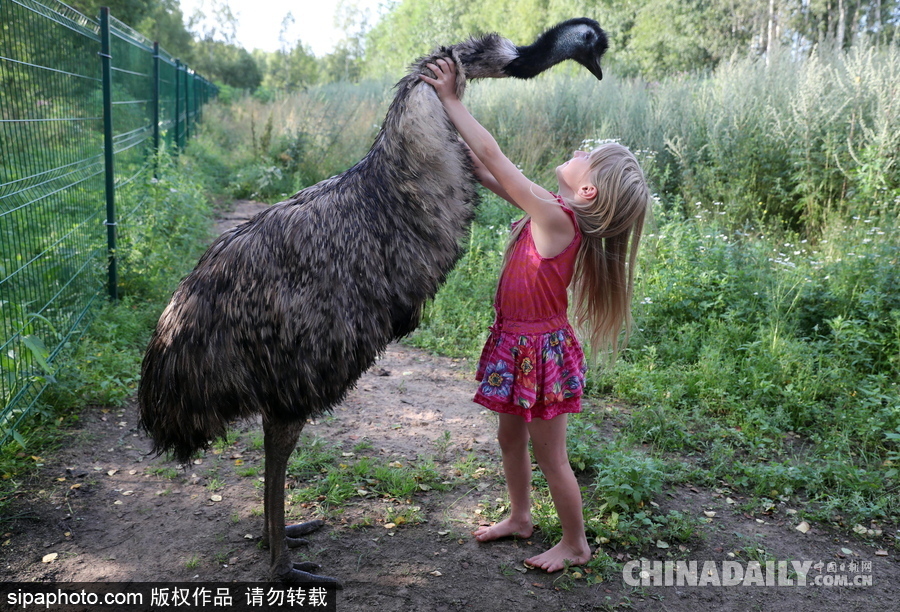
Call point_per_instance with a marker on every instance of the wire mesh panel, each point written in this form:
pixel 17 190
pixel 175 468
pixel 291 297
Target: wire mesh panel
pixel 75 160
pixel 132 116
pixel 52 243
pixel 167 75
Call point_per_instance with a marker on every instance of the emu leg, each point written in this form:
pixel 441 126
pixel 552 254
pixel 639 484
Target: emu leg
pixel 280 439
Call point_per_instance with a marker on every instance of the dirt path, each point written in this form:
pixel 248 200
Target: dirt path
pixel 109 512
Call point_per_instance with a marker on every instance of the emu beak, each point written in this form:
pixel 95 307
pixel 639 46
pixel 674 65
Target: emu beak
pixel 593 65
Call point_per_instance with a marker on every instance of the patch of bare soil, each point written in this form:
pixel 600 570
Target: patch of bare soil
pixel 111 512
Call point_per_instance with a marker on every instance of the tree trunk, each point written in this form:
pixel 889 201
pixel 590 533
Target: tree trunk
pixel 878 25
pixel 841 25
pixel 770 31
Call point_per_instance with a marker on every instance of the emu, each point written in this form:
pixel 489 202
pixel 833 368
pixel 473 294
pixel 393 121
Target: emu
pixel 283 314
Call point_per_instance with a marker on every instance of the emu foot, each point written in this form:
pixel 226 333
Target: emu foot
pixel 301 573
pixel 291 532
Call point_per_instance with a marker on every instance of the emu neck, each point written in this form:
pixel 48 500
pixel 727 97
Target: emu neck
pixel 417 142
pixel 536 58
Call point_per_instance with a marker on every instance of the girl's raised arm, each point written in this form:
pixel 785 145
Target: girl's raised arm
pixel 551 227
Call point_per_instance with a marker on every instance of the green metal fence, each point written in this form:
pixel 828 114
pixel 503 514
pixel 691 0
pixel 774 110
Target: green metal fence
pixel 83 105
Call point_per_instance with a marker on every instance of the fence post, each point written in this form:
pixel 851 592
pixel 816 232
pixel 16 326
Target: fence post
pixel 177 103
pixel 194 97
pixel 156 110
pixel 187 107
pixel 105 61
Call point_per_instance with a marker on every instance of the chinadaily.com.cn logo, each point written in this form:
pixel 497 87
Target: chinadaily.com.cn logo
pixel 645 572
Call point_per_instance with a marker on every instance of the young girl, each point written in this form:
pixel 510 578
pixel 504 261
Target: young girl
pixel 532 367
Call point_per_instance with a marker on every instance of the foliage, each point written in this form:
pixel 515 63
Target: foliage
pixel 626 481
pixel 653 38
pixel 160 20
pixel 268 150
pixel 227 63
pixel 288 71
pixel 128 11
pixel 756 342
pixel 812 324
pixel 172 223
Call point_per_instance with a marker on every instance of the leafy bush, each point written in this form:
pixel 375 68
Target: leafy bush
pixel 626 480
pixel 172 221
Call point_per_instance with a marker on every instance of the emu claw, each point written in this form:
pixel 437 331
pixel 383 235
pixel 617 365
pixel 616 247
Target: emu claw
pixel 299 576
pixel 292 531
pixel 306 566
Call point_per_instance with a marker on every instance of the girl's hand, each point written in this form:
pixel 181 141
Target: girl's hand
pixel 444 81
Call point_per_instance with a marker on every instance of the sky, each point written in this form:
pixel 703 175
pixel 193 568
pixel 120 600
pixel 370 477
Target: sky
pixel 259 21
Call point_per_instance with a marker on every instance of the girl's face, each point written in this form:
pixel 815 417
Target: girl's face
pixel 574 175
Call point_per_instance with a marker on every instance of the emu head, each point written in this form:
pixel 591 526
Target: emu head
pixel 493 56
pixel 579 39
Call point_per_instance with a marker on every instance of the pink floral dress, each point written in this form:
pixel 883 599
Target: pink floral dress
pixel 532 364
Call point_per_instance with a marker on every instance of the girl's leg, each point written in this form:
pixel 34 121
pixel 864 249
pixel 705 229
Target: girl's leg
pixel 548 439
pixel 512 434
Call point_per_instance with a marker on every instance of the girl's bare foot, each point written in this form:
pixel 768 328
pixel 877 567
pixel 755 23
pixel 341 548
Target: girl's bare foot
pixel 508 527
pixel 561 556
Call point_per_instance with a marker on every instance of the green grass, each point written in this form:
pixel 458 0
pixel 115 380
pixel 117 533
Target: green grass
pixel 776 351
pixel 330 479
pixel 192 563
pixel 169 473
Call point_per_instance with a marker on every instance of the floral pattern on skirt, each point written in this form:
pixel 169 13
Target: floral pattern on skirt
pixel 533 375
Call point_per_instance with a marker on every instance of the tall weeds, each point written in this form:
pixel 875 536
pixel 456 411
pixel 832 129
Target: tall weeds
pixel 786 141
pixel 269 150
pixel 790 142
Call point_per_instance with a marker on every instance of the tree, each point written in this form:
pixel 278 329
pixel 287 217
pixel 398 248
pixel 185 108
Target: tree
pixel 290 70
pixel 130 12
pixel 216 54
pixel 220 24
pixel 412 28
pixel 226 63
pixel 165 24
pixel 649 37
pixel 841 22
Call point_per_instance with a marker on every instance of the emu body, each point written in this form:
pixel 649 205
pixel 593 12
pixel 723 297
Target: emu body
pixel 283 314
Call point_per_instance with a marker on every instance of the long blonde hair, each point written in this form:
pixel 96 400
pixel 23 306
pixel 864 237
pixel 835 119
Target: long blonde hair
pixel 611 226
